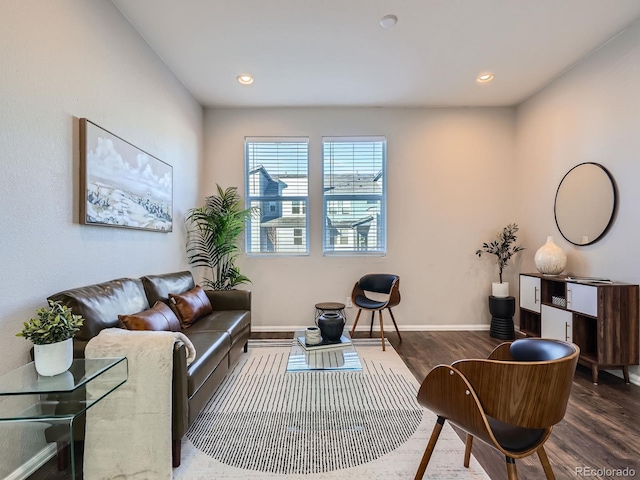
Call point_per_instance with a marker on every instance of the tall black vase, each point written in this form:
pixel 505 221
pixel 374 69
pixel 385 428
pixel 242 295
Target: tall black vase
pixel 331 325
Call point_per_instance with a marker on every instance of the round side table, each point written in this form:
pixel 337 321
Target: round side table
pixel 330 307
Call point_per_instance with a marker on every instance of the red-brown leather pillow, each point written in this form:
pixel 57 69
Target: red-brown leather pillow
pixel 191 305
pixel 158 318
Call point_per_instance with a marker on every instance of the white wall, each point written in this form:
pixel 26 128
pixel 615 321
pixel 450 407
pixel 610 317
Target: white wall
pixel 590 114
pixel 450 188
pixel 61 61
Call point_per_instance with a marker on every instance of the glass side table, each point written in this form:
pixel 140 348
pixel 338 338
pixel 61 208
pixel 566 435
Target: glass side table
pixel 60 399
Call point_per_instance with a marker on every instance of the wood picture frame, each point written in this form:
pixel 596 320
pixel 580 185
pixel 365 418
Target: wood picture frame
pixel 122 185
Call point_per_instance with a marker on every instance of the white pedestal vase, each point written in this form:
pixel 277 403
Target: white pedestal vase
pixel 500 289
pixel 550 259
pixel 54 358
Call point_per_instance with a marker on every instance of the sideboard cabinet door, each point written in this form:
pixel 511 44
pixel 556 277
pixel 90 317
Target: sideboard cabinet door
pixel 557 324
pixel 582 298
pixel 530 293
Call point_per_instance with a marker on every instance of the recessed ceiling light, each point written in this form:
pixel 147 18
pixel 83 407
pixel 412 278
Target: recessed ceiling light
pixel 485 77
pixel 388 21
pixel 245 79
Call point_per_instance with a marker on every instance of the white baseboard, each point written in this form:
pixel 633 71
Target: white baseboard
pixel 34 463
pixel 376 328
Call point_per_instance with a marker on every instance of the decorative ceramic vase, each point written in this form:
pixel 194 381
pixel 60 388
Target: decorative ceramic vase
pixel 500 289
pixel 54 358
pixel 312 336
pixel 331 325
pixel 550 259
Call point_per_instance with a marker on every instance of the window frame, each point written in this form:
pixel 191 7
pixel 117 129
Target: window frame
pixel 350 198
pixel 302 199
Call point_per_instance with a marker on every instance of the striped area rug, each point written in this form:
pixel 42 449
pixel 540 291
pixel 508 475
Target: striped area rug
pixel 265 423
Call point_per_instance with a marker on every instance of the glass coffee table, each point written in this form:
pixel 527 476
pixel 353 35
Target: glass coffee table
pixel 59 400
pixel 333 358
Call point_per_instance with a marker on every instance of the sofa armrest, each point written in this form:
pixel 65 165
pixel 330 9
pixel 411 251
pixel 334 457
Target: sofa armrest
pixel 229 299
pixel 180 393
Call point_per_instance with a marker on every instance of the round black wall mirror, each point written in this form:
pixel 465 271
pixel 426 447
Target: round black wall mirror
pixel 585 203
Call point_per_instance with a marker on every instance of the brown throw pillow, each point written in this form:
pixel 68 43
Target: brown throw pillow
pixel 191 305
pixel 158 318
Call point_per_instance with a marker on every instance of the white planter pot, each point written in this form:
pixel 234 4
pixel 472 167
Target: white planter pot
pixel 550 259
pixel 500 290
pixel 54 358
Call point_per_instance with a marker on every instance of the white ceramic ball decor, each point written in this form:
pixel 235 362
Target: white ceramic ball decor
pixel 550 259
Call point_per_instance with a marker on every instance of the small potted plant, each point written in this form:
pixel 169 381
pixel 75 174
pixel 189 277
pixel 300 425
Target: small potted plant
pixel 504 248
pixel 51 332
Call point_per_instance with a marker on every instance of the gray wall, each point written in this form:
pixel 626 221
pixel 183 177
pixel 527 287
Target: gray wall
pixel 590 114
pixel 61 61
pixel 450 188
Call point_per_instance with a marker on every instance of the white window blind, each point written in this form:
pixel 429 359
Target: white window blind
pixel 354 195
pixel 277 186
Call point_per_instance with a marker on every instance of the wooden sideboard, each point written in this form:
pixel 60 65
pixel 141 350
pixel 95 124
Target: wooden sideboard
pixel 601 318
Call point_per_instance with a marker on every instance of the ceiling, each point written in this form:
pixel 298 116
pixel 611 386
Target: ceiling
pixel 335 53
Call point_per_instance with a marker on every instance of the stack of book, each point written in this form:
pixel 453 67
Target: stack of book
pixel 344 341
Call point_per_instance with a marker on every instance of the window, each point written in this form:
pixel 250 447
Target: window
pixel 298 208
pixel 277 186
pixel 354 195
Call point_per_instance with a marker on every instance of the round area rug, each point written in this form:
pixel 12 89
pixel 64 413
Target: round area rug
pixel 267 420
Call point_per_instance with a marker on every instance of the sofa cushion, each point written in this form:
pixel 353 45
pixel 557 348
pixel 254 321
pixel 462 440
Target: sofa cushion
pixel 191 305
pixel 158 287
pixel 101 304
pixel 211 348
pixel 231 321
pixel 158 318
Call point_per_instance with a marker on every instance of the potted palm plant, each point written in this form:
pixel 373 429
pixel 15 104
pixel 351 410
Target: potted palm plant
pixel 214 232
pixel 504 248
pixel 51 333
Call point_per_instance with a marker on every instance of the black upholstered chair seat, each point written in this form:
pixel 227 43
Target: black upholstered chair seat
pixel 513 438
pixel 364 302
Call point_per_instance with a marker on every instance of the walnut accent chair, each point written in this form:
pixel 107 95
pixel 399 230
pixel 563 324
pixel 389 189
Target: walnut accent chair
pixel 511 401
pixel 383 283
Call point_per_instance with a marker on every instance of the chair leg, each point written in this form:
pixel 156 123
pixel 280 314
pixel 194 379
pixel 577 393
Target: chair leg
pixel 353 329
pixel 381 330
pixel 395 324
pixel 373 316
pixel 429 450
pixel 512 472
pixel 546 466
pixel 467 450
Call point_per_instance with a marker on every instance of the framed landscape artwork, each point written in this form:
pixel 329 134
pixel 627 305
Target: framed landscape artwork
pixel 121 185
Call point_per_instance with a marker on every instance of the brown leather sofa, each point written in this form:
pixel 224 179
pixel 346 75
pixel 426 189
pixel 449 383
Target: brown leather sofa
pixel 219 338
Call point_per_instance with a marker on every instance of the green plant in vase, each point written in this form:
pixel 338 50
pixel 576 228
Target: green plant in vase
pixel 52 332
pixel 214 232
pixel 503 247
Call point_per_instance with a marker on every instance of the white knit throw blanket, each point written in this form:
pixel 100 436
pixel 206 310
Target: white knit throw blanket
pixel 128 433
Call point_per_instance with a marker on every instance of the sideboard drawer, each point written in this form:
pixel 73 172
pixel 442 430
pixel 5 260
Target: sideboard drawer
pixel 582 298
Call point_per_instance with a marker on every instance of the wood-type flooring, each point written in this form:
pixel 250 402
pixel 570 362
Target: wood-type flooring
pixel 600 431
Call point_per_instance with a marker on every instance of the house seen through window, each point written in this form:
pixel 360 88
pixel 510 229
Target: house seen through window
pixel 277 185
pixel 354 195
